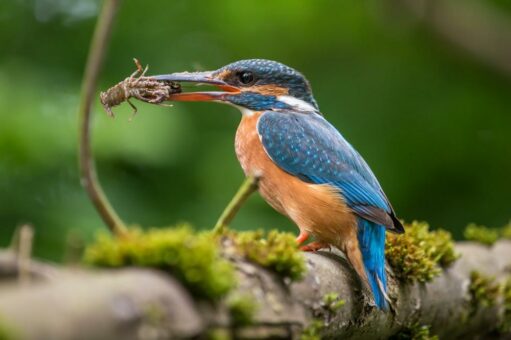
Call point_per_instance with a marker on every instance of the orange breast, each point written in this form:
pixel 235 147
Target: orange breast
pixel 317 209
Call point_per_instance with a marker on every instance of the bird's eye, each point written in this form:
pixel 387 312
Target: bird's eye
pixel 246 77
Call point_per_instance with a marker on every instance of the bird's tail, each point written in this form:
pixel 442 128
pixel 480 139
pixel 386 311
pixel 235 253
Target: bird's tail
pixel 371 238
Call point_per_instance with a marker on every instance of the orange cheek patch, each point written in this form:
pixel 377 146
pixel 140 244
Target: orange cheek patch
pixel 268 90
pixel 223 75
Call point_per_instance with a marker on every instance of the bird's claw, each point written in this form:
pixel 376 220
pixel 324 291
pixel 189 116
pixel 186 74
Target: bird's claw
pixel 315 246
pixel 304 236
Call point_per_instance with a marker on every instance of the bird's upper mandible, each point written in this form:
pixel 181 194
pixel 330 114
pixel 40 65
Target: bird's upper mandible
pixel 254 84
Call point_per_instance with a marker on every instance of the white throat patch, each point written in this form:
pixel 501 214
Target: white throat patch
pixel 296 103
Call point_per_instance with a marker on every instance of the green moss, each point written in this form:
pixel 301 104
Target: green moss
pixel 506 300
pixel 193 258
pixel 484 291
pixel 219 334
pixel 154 314
pixel 482 234
pixel 506 231
pixel 332 302
pixel 418 254
pixel 313 331
pixel 415 332
pixel 241 309
pixel 487 235
pixel 276 250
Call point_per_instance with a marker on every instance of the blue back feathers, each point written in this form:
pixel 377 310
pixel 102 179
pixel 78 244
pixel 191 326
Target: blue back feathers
pixel 307 146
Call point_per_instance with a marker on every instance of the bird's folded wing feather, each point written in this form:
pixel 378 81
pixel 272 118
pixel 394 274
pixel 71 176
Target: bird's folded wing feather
pixel 307 146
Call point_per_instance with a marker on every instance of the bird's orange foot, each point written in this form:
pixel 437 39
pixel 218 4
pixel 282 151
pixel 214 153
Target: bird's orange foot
pixel 302 237
pixel 315 246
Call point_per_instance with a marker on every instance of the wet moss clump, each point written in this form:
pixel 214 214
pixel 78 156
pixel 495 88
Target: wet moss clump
pixel 313 331
pixel 481 234
pixel 419 253
pixel 241 309
pixel 484 290
pixel 275 250
pixel 191 257
pixel 415 332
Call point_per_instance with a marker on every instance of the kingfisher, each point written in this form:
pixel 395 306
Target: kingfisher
pixel 307 170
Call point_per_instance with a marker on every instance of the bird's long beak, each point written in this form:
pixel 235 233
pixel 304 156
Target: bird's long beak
pixel 199 78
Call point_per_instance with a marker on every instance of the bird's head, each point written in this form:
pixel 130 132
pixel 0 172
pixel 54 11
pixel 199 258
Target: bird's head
pixel 251 85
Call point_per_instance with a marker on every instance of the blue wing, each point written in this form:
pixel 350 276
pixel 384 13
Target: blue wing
pixel 309 147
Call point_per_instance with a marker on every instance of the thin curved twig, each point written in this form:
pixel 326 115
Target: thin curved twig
pixel 88 176
pixel 248 187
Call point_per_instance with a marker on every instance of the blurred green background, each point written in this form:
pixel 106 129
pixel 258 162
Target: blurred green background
pixel 432 121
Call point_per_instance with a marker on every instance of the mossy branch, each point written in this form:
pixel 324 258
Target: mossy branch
pixel 88 174
pixel 125 303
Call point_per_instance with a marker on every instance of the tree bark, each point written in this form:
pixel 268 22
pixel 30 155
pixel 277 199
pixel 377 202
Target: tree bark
pixel 62 303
